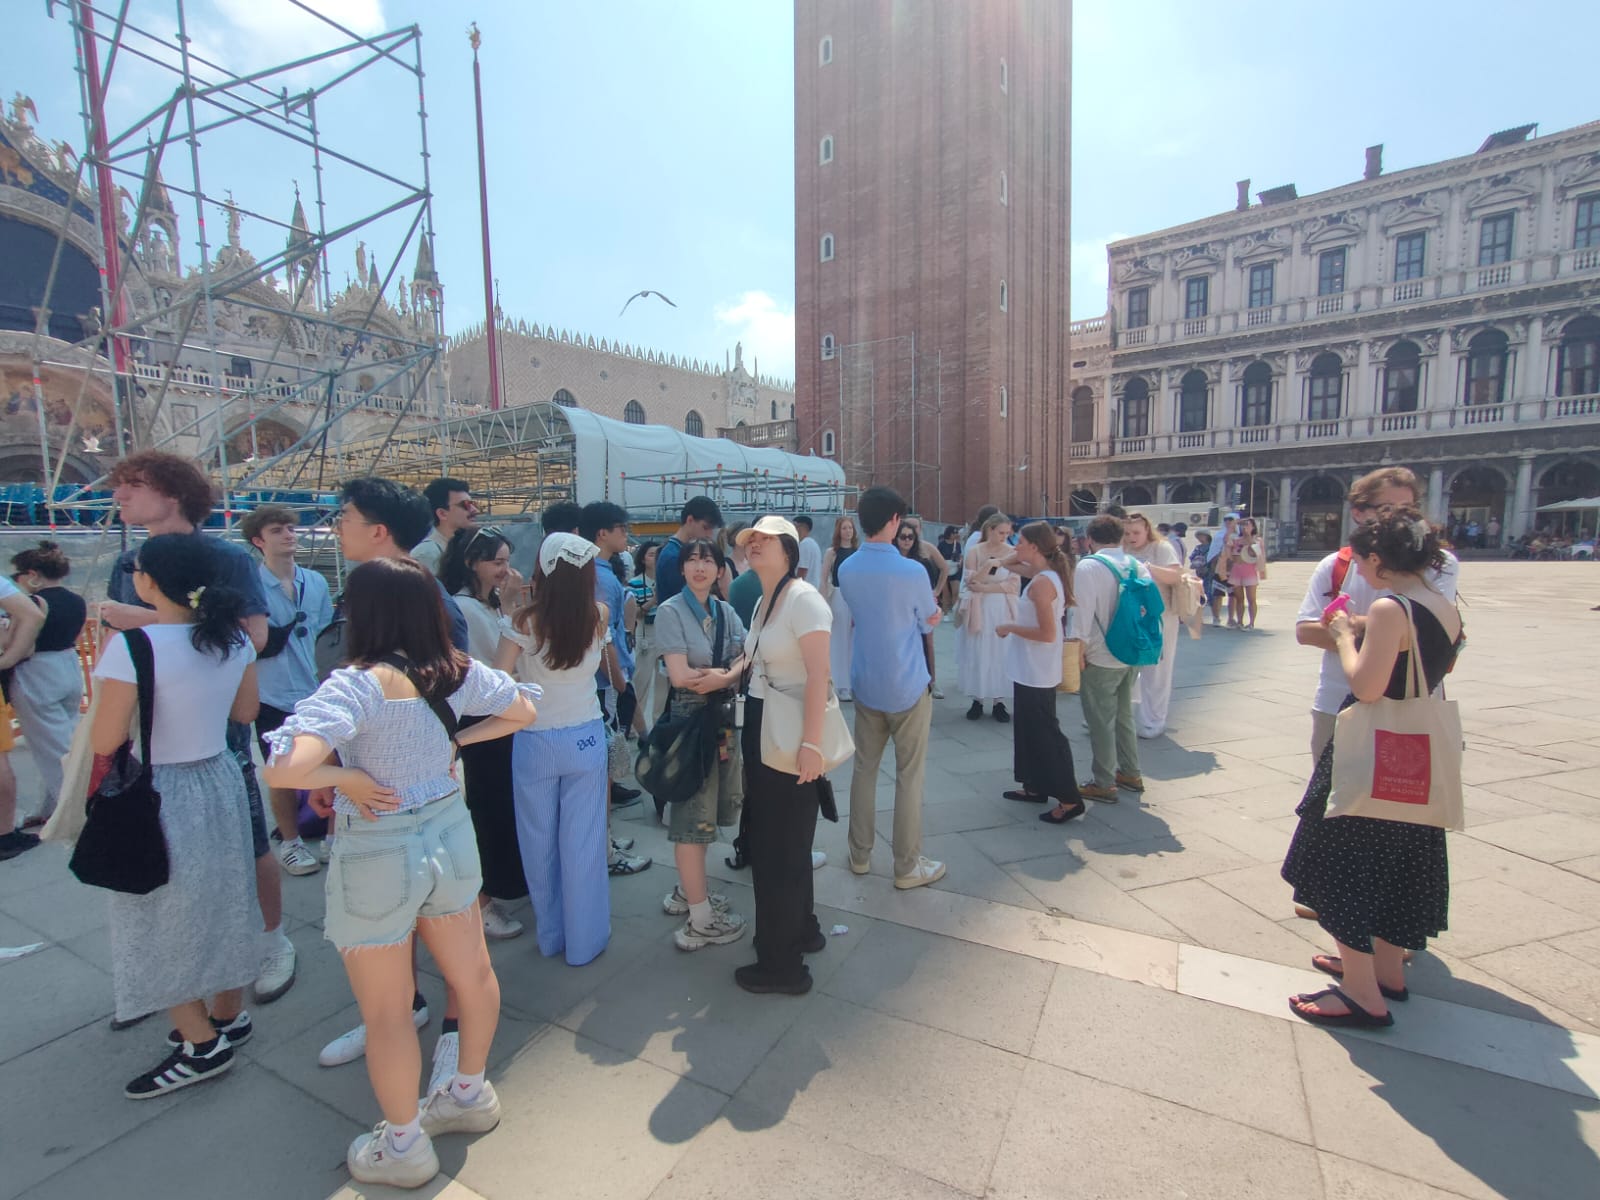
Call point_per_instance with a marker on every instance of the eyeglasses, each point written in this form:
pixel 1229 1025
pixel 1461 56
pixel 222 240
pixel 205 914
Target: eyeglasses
pixel 300 629
pixel 490 530
pixel 909 535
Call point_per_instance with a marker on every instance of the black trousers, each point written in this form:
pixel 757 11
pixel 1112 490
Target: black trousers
pixel 486 771
pixel 782 820
pixel 1041 756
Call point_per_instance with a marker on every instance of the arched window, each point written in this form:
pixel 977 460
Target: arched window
pixel 791 411
pixel 1255 398
pixel 1402 374
pixel 1487 355
pixel 1005 76
pixel 825 51
pixel 1082 415
pixel 1005 401
pixel 1135 496
pixel 1005 296
pixel 1194 402
pixel 1005 192
pixel 825 152
pixel 1136 409
pixel 774 416
pixel 827 442
pixel 827 247
pixel 1578 361
pixel 693 425
pixel 1326 388
pixel 634 413
pixel 828 346
pixel 564 398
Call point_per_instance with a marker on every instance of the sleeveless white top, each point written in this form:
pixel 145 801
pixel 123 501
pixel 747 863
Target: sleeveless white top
pixel 570 696
pixel 1037 664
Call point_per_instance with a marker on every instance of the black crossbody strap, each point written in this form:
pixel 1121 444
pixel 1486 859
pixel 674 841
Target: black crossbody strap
pixel 144 674
pixel 446 716
pixel 722 629
pixel 750 650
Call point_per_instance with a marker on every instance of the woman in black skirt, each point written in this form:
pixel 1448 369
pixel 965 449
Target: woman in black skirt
pixel 476 570
pixel 1379 887
pixel 1042 759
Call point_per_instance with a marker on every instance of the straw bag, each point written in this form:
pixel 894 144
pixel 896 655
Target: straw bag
pixel 1071 667
pixel 1400 760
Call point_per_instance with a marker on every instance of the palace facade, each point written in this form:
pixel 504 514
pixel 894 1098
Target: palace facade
pixel 1443 317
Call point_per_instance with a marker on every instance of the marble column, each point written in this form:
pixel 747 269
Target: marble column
pixel 1361 401
pixel 1531 378
pixel 1288 532
pixel 1520 519
pixel 1436 496
pixel 1161 492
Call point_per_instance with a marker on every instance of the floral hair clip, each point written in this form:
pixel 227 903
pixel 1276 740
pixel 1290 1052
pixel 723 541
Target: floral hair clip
pixel 1419 534
pixel 194 597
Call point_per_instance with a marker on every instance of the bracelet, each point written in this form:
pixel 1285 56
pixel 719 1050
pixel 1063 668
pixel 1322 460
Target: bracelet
pixel 811 746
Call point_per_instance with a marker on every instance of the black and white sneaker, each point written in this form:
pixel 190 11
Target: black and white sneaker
pixel 238 1031
pixel 181 1068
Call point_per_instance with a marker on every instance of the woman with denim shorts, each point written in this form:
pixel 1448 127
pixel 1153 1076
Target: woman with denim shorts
pixel 405 860
pixel 688 627
pixel 559 783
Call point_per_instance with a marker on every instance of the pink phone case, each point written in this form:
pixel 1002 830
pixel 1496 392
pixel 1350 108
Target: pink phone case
pixel 1338 603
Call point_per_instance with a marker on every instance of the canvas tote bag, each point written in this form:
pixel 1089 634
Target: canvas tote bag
pixel 783 715
pixel 1400 760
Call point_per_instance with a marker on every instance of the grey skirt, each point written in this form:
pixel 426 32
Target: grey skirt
pixel 200 933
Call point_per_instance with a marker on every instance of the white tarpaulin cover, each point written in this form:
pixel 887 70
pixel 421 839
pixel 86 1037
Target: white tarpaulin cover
pixel 1571 505
pixel 625 463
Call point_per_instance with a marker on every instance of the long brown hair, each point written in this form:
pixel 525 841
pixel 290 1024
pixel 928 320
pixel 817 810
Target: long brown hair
pixel 855 532
pixel 561 613
pixel 1042 537
pixel 393 606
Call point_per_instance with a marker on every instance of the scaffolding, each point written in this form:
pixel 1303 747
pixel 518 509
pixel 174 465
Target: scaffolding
pixel 891 410
pixel 288 120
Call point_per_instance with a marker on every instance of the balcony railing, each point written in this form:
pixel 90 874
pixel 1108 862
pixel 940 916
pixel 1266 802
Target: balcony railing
pixel 1538 412
pixel 769 433
pixel 1197 327
pixel 1258 316
pixel 1585 260
pixel 1085 328
pixel 236 387
pixel 1408 290
pixel 1135 337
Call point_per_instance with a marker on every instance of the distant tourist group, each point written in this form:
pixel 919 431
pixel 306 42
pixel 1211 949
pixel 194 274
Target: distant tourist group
pixel 453 738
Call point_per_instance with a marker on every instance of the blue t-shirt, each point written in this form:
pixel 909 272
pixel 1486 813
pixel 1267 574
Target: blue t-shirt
pixel 235 569
pixel 609 591
pixel 291 675
pixel 891 603
pixel 669 570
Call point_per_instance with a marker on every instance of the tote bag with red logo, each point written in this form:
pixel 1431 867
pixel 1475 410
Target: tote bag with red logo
pixel 1400 760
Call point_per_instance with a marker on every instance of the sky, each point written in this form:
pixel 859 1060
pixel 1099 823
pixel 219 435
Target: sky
pixel 641 144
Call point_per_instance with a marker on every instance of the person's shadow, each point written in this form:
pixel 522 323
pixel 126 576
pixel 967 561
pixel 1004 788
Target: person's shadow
pixel 1523 1141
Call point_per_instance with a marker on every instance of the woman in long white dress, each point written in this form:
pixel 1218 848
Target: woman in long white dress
pixel 845 543
pixel 989 592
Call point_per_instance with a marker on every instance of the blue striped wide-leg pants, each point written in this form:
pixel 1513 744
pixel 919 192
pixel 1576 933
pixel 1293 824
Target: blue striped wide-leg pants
pixel 560 789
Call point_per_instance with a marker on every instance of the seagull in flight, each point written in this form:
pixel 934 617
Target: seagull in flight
pixel 639 295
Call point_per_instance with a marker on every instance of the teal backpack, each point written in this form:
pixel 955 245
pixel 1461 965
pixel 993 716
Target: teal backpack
pixel 1134 635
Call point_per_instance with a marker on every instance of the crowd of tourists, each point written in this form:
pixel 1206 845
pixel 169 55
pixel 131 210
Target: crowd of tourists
pixel 450 738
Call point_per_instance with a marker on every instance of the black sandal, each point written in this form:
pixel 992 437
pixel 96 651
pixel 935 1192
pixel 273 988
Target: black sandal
pixel 1356 1018
pixel 1329 964
pixel 1076 810
pixel 1026 797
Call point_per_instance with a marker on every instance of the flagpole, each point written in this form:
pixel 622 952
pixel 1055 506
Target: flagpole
pixel 491 317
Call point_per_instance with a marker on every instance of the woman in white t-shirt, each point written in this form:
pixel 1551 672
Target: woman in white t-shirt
pixel 559 762
pixel 1152 690
pixel 1041 756
pixel 789 648
pixel 191 945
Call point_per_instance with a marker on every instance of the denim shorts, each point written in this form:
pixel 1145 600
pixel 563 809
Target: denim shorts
pixel 385 874
pixel 694 821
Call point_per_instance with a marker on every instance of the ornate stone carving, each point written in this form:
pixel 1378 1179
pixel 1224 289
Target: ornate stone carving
pixel 1335 229
pixel 1140 268
pixel 1204 254
pixel 1499 191
pixel 1413 210
pixel 1262 244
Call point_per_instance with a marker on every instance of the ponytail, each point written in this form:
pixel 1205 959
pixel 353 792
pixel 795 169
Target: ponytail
pixel 218 611
pixel 184 567
pixel 1043 538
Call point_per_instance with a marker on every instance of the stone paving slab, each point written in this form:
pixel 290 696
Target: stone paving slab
pixel 1091 1010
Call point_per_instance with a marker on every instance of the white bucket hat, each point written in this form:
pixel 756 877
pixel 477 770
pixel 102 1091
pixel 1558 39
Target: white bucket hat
pixel 771 525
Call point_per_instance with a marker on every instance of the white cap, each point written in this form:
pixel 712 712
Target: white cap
pixel 771 525
pixel 565 547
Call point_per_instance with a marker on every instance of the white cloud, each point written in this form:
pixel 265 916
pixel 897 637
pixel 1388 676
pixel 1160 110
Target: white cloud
pixel 1089 276
pixel 250 34
pixel 766 328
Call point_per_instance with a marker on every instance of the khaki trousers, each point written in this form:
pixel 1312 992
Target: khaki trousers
pixel 909 729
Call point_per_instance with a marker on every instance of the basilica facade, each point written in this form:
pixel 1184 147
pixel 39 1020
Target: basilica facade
pixel 1445 318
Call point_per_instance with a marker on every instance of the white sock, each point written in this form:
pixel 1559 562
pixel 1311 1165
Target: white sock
pixel 465 1089
pixel 700 914
pixel 403 1137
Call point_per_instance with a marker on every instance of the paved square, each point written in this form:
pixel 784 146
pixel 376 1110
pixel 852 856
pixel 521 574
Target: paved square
pixel 1096 1010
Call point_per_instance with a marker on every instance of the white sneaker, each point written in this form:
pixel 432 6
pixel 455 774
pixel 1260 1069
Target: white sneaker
pixel 323 849
pixel 725 927
pixel 622 844
pixel 627 864
pixel 446 1058
pixel 348 1047
pixel 676 904
pixel 819 859
pixel 296 858
pixel 443 1113
pixel 938 692
pixel 927 871
pixel 372 1160
pixel 277 971
pixel 497 926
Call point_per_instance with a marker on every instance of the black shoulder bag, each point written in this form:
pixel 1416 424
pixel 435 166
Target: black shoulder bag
pixel 122 847
pixel 678 753
pixel 441 709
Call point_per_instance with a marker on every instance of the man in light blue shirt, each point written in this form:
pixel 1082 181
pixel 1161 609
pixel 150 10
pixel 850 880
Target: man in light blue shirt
pixel 892 606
